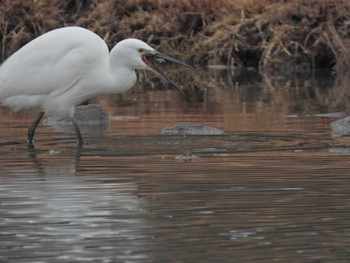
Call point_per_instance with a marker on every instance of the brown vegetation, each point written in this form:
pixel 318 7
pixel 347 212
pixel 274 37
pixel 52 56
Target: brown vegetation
pixel 274 35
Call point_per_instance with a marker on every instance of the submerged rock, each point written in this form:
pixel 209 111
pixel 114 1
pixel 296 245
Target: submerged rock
pixel 191 129
pixel 341 126
pixel 345 150
pixel 92 119
pixel 186 157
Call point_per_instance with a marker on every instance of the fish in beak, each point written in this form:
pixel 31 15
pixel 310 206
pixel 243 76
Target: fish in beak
pixel 149 56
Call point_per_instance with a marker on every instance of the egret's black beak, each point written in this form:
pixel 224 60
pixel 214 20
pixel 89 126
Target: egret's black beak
pixel 159 57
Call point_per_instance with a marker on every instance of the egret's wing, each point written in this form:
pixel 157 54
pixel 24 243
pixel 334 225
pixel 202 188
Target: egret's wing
pixel 36 73
pixel 52 63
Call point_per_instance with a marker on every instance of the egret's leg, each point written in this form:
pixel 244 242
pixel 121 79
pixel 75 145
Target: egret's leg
pixel 77 131
pixel 32 156
pixel 31 129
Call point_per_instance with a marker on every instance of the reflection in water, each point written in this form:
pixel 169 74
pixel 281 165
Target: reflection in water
pixel 271 188
pixel 41 170
pixel 59 219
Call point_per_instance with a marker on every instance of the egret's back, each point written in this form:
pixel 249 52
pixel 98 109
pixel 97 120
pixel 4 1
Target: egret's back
pixel 51 65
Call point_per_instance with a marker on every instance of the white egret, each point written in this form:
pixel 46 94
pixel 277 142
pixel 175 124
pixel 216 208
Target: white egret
pixel 64 67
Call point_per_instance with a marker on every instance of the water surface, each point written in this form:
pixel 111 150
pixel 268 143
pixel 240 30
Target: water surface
pixel 274 187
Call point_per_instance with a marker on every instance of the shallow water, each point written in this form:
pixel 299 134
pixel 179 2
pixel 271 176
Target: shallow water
pixel 274 187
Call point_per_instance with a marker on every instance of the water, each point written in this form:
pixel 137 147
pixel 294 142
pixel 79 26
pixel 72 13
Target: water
pixel 274 187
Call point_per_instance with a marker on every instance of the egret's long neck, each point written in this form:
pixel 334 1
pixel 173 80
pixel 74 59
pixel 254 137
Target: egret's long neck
pixel 123 75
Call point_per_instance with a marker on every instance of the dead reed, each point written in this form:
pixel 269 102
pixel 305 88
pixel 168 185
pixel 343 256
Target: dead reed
pixel 273 35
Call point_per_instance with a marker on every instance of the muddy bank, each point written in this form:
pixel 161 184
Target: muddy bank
pixel 272 35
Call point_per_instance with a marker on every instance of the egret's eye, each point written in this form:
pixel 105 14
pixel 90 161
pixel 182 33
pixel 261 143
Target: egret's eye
pixel 141 50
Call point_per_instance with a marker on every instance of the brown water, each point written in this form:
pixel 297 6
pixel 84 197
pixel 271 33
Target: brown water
pixel 273 188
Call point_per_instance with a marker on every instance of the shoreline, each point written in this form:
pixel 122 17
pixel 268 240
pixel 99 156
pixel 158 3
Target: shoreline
pixel 268 35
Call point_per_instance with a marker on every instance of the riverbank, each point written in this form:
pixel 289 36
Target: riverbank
pixel 270 35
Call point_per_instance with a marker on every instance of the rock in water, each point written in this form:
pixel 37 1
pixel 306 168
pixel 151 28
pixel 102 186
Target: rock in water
pixel 341 126
pixel 191 129
pixel 92 119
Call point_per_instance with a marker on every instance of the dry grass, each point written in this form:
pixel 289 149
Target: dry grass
pixel 274 35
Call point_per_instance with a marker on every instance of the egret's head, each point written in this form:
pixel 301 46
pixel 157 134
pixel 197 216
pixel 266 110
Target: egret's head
pixel 138 55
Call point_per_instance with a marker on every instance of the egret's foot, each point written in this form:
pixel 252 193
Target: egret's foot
pixel 31 131
pixel 30 147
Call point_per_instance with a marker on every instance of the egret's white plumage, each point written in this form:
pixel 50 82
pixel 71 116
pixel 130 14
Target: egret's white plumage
pixel 64 67
pixel 67 66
